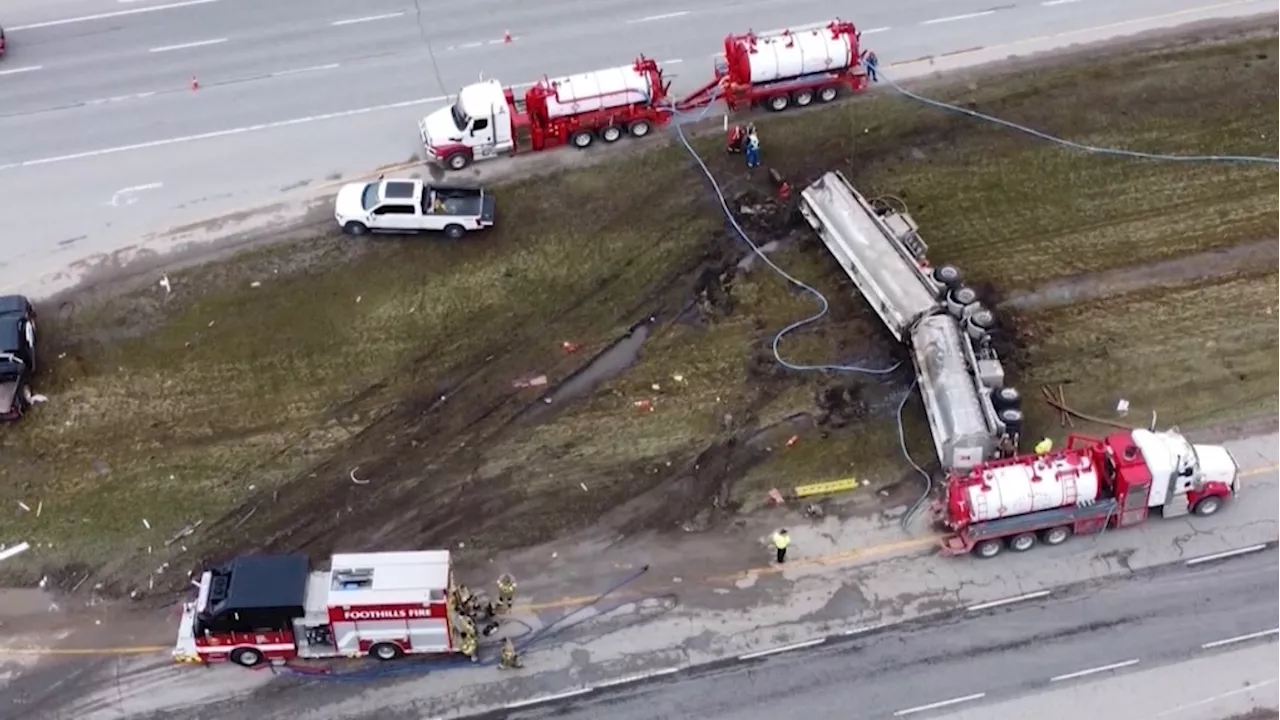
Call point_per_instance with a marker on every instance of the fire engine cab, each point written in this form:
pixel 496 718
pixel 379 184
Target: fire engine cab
pixel 262 608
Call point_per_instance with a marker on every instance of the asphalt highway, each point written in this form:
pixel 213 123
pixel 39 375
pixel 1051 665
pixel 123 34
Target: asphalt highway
pixel 103 139
pixel 1003 657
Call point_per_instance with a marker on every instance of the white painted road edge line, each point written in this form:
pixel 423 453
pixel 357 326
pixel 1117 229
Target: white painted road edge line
pixel 115 14
pixel 185 46
pixel 1008 601
pixel 628 679
pixel 547 698
pixel 1228 553
pixel 15 71
pixel 1094 670
pixel 1215 698
pixel 939 704
pixel 954 18
pixel 313 68
pixel 1239 638
pixel 866 629
pixel 367 18
pixel 784 648
pixel 663 16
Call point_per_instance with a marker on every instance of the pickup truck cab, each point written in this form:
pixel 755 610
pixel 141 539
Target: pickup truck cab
pixel 17 355
pixel 405 205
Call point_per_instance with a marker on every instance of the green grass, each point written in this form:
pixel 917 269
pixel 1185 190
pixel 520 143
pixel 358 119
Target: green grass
pixel 188 407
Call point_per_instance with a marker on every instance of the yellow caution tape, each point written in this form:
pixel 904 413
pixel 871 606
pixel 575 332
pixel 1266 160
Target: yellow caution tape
pixel 824 488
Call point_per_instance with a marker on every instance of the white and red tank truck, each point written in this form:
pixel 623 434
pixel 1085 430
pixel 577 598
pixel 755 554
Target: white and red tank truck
pixel 774 70
pixel 262 608
pixel 1088 486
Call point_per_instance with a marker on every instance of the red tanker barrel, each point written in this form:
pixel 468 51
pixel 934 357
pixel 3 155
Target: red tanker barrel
pixel 1022 485
pixel 757 59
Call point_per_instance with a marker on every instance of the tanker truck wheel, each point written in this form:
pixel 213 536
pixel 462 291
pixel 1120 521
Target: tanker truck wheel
pixel 1023 542
pixel 640 128
pixel 611 134
pixel 1208 506
pixel 802 98
pixel 988 549
pixel 581 139
pixel 827 94
pixel 1056 536
pixel 458 161
pixel 778 103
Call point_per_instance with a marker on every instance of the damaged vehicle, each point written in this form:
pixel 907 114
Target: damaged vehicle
pixel 17 355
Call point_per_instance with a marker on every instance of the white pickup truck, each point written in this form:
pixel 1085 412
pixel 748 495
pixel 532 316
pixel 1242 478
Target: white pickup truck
pixel 406 205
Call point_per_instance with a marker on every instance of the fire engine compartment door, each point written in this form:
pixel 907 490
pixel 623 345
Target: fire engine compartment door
pixel 417 634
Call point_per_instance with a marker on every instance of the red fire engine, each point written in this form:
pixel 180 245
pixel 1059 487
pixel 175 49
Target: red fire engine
pixel 262 608
pixel 1088 486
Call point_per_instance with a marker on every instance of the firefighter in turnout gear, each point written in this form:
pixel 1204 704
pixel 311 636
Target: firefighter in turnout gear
pixel 509 660
pixel 506 593
pixel 470 647
pixel 466 626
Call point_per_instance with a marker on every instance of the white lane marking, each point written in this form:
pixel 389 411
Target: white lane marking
pixel 1215 698
pixel 628 679
pixel 873 31
pixel 663 16
pixel 120 98
pixel 866 629
pixel 367 18
pixel 955 18
pixel 939 704
pixel 1094 670
pixel 15 71
pixel 185 46
pixel 1008 601
pixel 677 61
pixel 129 194
pixel 1051 3
pixel 114 14
pixel 784 648
pixel 1239 638
pixel 313 68
pixel 547 698
pixel 467 46
pixel 1227 553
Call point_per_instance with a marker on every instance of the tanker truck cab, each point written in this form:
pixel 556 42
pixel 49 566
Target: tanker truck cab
pixel 476 127
pixel 1187 477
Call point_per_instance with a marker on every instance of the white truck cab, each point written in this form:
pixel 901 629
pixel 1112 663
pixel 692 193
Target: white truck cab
pixel 476 127
pixel 407 205
pixel 1184 474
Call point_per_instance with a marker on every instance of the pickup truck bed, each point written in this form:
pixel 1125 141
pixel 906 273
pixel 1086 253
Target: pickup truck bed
pixel 462 202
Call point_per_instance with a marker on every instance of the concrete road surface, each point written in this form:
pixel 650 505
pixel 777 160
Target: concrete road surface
pixel 103 141
pixel 1034 659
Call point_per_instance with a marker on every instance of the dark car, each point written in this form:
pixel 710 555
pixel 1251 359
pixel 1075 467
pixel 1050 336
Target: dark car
pixel 1 42
pixel 17 355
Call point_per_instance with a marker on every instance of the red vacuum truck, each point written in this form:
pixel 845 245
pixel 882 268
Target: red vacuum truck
pixel 490 121
pixel 780 69
pixel 1088 486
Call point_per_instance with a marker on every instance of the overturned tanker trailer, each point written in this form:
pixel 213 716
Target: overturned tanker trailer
pixel 973 416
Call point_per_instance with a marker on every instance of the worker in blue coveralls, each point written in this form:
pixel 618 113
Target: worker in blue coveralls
pixel 870 62
pixel 753 147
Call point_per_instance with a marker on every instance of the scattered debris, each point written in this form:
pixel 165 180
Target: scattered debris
pixel 184 532
pixel 791 441
pixel 44 582
pixel 569 347
pixel 39 399
pixel 678 378
pixel 355 479
pixel 775 497
pixel 255 284
pixel 39 508
pixel 24 506
pixel 1122 407
pixel 244 519
pixel 358 298
pixel 164 283
pixel 537 381
pixel 146 523
pixel 814 510
pixel 583 486
pixel 644 405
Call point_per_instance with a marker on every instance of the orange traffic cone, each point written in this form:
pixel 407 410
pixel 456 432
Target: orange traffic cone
pixel 195 84
pixel 506 37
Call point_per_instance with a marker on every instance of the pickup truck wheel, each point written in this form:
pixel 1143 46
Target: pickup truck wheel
pixel 1208 506
pixel 581 139
pixel 454 232
pixel 778 103
pixel 802 98
pixel 613 133
pixel 355 228
pixel 458 161
pixel 246 657
pixel 827 94
pixel 640 128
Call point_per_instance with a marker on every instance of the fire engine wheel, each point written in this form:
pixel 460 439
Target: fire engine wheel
pixel 581 139
pixel 1023 542
pixel 613 133
pixel 386 651
pixel 802 98
pixel 1208 506
pixel 827 94
pixel 1055 536
pixel 640 128
pixel 246 657
pixel 778 103
pixel 458 161
pixel 988 548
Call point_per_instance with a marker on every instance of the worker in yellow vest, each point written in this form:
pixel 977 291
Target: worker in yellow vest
pixel 780 542
pixel 1044 446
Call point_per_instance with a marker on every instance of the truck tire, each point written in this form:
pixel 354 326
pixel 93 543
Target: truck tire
pixel 385 651
pixel 458 161
pixel 948 275
pixel 611 134
pixel 454 232
pixel 581 139
pixel 778 103
pixel 802 98
pixel 829 93
pixel 355 228
pixel 640 128
pixel 247 657
pixel 988 549
pixel 1207 506
pixel 1055 536
pixel 1023 542
pixel 1006 398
